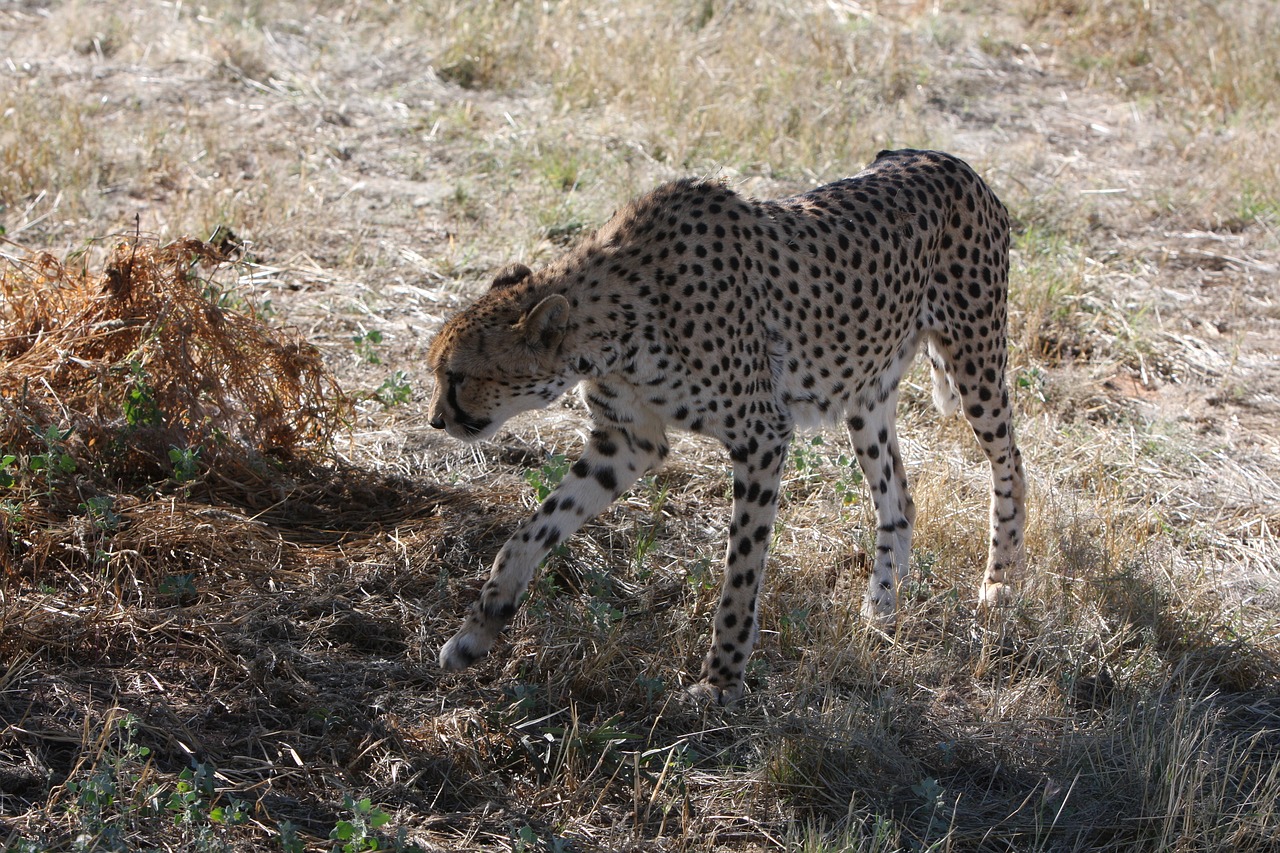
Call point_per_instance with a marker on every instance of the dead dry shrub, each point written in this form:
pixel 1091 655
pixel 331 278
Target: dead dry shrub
pixel 148 350
pixel 127 391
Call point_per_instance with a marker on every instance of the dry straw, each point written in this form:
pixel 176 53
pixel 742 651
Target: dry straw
pixel 147 354
pixel 125 391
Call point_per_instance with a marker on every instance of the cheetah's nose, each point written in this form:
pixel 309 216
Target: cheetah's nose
pixel 438 422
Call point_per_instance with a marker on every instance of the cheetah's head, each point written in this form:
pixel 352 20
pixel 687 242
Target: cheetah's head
pixel 500 357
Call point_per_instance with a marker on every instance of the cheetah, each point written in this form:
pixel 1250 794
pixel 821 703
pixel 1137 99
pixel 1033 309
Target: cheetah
pixel 696 308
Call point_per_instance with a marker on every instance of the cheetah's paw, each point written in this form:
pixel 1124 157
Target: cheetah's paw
pixel 996 595
pixel 464 649
pixel 880 614
pixel 705 694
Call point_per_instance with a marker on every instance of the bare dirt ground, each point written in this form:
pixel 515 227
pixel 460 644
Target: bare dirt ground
pixel 376 164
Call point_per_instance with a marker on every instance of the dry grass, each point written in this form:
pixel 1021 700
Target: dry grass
pixel 727 104
pixel 1215 56
pixel 231 646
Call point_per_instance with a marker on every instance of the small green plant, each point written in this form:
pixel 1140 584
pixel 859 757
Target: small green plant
pixel 701 576
pixel 189 801
pixel 793 626
pixel 55 459
pixel 140 407
pixel 100 509
pixel 1032 382
pixel 545 590
pixel 358 833
pixel 185 462
pixel 365 344
pixel 226 298
pixel 551 747
pixel 652 685
pixel 598 582
pixel 12 516
pixel 394 390
pixel 806 459
pixel 526 840
pixel 7 476
pixel 563 173
pixel 522 701
pixel 545 479
pixel 646 536
pixel 109 798
pixel 39 470
pixel 935 800
pixel 288 837
pixel 811 461
pixel 918 585
pixel 180 588
pixel 603 614
pixel 195 808
pixel 849 484
pixel 1256 205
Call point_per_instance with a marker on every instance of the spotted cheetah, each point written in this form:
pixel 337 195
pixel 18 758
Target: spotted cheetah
pixel 696 308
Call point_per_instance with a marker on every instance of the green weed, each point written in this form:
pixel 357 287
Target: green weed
pixel 527 840
pixel 287 837
pixel 648 535
pixel 366 345
pixel 394 390
pixel 100 509
pixel 358 833
pixel 544 480
pixel 813 464
pixel 140 407
pixel 180 588
pixel 185 462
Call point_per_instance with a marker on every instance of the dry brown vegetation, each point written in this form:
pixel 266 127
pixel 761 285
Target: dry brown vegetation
pixel 225 580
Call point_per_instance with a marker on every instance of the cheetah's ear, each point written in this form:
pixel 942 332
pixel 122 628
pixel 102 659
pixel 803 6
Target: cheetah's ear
pixel 544 326
pixel 509 275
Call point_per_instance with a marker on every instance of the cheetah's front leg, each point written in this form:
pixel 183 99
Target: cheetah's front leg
pixel 615 458
pixel 757 476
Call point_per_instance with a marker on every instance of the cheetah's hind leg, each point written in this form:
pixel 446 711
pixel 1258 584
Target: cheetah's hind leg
pixel 875 443
pixel 987 408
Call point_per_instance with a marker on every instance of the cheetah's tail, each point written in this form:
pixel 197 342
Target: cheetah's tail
pixel 946 396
